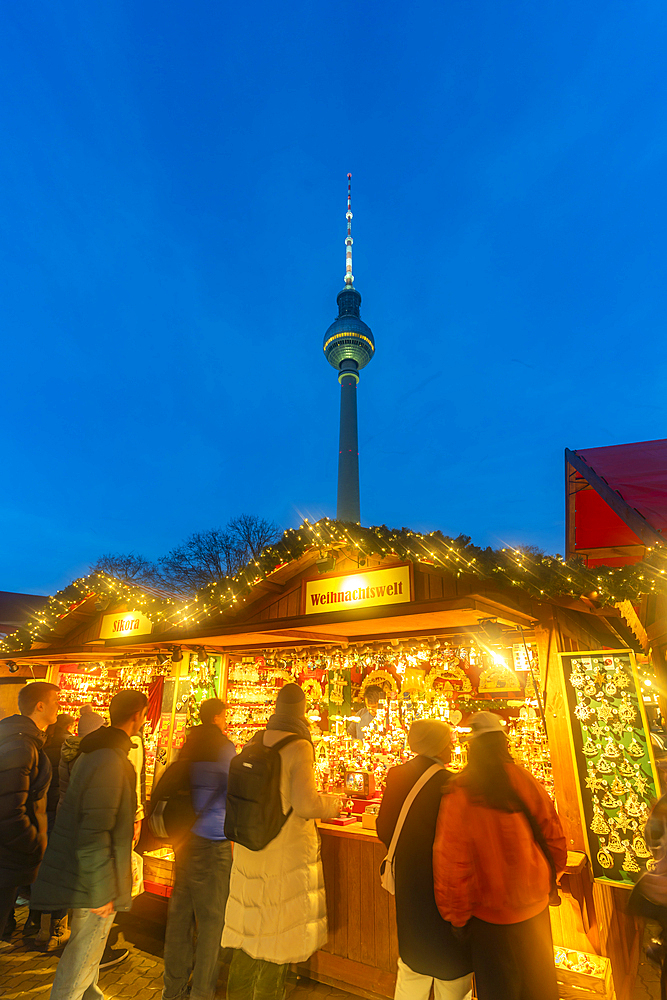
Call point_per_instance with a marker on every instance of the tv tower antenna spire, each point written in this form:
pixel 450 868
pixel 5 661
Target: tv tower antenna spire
pixel 349 277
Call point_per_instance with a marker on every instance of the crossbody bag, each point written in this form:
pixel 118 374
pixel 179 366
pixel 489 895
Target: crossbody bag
pixel 387 877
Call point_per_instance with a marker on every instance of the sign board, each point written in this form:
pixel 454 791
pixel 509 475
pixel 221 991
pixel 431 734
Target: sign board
pixel 613 757
pixel 372 589
pixel 125 623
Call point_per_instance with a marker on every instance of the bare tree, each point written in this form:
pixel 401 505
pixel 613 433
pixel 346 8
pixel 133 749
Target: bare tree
pixel 131 568
pixel 204 557
pixel 253 534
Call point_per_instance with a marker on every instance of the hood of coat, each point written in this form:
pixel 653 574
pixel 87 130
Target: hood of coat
pixel 70 748
pixel 21 725
pixel 203 743
pixel 105 738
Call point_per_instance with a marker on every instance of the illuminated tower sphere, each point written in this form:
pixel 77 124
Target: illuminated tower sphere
pixel 348 346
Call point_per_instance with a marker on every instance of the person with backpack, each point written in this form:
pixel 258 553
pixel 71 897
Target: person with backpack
pixel 429 954
pixel 498 846
pixel 203 863
pixel 276 912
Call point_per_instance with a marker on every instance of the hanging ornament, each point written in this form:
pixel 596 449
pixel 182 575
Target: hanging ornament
pixel 583 712
pixel 625 711
pixel 590 689
pixel 629 863
pixel 599 824
pixel 640 848
pixel 635 749
pixel 626 768
pixel 622 822
pixel 605 766
pixel 576 679
pixel 614 844
pixel 641 782
pixel 605 859
pixel 590 749
pixel 633 806
pixel 610 689
pixel 604 712
pixel 611 750
pixel 594 782
pixel 617 787
pixel 609 802
pixel 622 679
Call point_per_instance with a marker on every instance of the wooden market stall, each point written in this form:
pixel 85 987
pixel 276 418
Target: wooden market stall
pixel 441 627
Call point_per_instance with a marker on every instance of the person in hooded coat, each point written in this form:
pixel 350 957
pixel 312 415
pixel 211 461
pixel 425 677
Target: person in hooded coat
pixel 428 951
pixel 276 912
pixel 25 774
pixel 87 865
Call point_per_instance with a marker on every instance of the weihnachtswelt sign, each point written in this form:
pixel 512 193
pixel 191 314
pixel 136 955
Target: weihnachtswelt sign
pixel 360 590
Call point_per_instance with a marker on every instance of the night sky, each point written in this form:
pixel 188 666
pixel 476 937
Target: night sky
pixel 173 181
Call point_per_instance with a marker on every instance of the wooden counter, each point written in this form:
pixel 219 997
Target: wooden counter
pixel 362 949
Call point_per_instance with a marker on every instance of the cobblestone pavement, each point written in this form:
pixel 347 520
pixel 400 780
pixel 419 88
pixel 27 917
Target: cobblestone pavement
pixel 26 974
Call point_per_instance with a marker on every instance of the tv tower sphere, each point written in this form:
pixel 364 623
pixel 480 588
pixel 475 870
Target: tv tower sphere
pixel 348 346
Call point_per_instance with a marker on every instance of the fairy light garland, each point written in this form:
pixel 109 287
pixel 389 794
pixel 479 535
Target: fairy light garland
pixel 541 576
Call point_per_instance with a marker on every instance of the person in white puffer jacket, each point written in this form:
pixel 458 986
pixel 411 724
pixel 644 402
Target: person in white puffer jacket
pixel 276 911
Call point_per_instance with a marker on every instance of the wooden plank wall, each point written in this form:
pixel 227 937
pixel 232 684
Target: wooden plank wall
pixel 362 949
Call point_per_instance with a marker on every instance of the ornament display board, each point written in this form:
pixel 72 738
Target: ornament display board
pixel 613 758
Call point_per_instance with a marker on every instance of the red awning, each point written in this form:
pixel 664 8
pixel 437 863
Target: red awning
pixel 638 472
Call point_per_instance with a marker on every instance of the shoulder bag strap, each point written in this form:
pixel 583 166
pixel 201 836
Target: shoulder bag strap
pixel 409 799
pixel 541 842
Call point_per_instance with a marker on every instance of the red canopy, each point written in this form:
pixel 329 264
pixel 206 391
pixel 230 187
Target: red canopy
pixel 638 472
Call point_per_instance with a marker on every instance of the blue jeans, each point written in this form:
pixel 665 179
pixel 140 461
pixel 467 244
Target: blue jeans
pixel 79 966
pixel 197 904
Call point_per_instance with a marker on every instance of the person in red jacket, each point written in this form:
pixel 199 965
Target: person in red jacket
pixel 491 876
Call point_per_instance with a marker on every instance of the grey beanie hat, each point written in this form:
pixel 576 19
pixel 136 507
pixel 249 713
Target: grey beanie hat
pixel 89 722
pixel 429 737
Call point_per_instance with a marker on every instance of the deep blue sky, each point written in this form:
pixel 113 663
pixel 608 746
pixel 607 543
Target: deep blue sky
pixel 173 197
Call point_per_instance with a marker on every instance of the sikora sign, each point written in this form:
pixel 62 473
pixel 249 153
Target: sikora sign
pixel 125 623
pixel 360 590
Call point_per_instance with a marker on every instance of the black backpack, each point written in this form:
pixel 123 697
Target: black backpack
pixel 170 812
pixel 254 815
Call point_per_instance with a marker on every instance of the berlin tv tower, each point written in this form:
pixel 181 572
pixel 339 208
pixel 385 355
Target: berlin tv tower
pixel 348 346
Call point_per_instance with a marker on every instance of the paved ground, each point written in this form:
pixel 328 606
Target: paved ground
pixel 26 974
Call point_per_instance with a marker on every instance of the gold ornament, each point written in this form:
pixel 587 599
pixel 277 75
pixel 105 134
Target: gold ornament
pixel 610 689
pixel 622 822
pixel 617 787
pixel 576 679
pixel 609 802
pixel 599 824
pixel 595 783
pixel 589 689
pixel 629 863
pixel 626 768
pixel 622 679
pixel 605 859
pixel 641 782
pixel 590 749
pixel 615 844
pixel 640 848
pixel 635 749
pixel 633 806
pixel 611 750
pixel 625 711
pixel 605 766
pixel 604 712
pixel 583 712
pixel 651 865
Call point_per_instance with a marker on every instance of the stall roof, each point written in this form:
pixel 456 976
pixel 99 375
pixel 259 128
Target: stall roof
pixel 16 609
pixel 616 501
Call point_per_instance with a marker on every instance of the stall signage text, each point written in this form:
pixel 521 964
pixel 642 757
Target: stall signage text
pixel 361 590
pixel 125 623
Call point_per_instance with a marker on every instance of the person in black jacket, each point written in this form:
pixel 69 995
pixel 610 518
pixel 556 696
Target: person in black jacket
pixel 87 865
pixel 25 773
pixel 428 951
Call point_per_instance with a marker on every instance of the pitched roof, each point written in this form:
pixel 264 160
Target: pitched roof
pixel 15 609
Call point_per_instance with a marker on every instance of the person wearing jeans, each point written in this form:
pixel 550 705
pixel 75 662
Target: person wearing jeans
pixel 203 864
pixel 87 865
